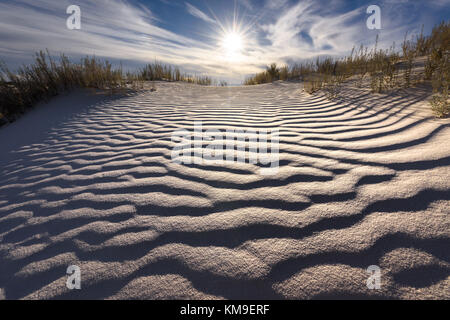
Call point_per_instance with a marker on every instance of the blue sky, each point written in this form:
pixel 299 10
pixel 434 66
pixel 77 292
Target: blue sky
pixel 195 34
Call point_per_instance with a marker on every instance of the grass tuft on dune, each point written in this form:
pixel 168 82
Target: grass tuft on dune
pixel 160 72
pixel 383 69
pixel 47 77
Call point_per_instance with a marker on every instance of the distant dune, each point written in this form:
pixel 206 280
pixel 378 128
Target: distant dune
pixel 90 182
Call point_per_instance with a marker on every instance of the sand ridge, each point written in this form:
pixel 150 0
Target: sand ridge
pixel 361 182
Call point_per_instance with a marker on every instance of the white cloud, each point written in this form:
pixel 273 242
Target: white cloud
pixel 198 13
pixel 120 30
pixel 114 29
pixel 246 4
pixel 276 4
pixel 305 30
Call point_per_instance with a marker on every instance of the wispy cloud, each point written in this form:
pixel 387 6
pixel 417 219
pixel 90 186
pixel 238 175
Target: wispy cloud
pixel 128 31
pixel 198 13
pixel 246 4
pixel 113 28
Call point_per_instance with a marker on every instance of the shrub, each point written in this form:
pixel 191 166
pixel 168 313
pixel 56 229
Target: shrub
pixel 333 87
pixel 313 83
pixel 158 71
pixel 362 62
pixel 440 104
pixel 46 78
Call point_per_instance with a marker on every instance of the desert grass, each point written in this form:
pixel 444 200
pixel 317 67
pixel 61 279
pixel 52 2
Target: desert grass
pixel 385 70
pixel 47 77
pixel 440 82
pixel 272 73
pixel 440 104
pixel 158 71
pixel 437 69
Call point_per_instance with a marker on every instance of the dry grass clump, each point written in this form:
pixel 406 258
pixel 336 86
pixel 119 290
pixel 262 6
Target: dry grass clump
pixel 437 69
pixel 160 72
pixel 271 74
pixel 440 78
pixel 47 77
pixel 386 69
pixel 313 83
pixel 333 86
pixel 440 104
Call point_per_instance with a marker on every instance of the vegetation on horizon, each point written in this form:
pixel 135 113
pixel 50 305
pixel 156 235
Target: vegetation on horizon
pixel 47 77
pixel 384 69
pixel 272 73
pixel 161 72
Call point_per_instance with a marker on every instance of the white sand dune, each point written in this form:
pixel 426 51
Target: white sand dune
pixel 90 182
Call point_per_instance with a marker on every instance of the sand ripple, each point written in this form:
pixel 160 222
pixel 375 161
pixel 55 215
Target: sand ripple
pixel 363 182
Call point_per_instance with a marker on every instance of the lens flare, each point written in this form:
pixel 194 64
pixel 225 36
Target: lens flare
pixel 232 44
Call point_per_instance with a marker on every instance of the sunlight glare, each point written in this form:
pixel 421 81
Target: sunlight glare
pixel 232 44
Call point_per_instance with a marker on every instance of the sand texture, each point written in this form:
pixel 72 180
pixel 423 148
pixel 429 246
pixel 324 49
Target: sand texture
pixel 90 182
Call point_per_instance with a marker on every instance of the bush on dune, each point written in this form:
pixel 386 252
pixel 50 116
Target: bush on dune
pixel 440 78
pixel 271 74
pixel 440 104
pixel 437 69
pixel 384 69
pixel 160 72
pixel 47 78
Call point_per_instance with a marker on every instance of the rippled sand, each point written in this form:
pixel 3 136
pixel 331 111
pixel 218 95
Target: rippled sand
pixel 90 182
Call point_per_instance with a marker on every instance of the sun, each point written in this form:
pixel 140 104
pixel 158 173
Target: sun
pixel 233 44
